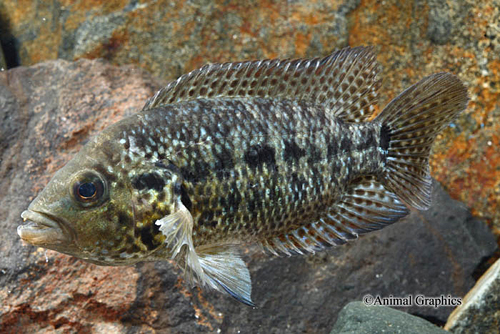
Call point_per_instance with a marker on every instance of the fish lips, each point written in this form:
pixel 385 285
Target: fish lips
pixel 43 229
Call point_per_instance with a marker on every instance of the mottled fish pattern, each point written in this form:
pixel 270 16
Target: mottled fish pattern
pixel 278 152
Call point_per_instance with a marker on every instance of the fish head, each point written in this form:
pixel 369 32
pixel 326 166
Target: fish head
pixel 93 208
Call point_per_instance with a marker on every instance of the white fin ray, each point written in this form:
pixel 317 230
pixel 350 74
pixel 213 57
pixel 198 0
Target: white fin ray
pixel 226 272
pixel 178 230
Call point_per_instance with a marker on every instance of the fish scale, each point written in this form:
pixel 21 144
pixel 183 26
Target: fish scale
pixel 277 152
pixel 274 174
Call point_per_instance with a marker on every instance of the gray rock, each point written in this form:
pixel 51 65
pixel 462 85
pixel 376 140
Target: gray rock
pixel 357 318
pixel 49 110
pixel 480 311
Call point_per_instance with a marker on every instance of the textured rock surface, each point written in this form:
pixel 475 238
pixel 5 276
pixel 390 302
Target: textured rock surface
pixel 49 110
pixel 357 318
pixel 480 311
pixel 414 39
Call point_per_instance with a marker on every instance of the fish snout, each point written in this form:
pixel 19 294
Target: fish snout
pixel 42 229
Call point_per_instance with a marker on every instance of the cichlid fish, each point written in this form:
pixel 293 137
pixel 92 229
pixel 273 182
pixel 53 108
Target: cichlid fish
pixel 276 152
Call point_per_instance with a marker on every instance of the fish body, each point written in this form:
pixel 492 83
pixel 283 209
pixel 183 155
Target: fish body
pixel 279 153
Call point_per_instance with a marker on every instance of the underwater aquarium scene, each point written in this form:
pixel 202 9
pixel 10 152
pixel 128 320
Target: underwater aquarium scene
pixel 257 166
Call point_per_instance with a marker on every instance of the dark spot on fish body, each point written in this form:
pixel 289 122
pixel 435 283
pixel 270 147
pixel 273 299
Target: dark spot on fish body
pixel 332 148
pixel 123 219
pixel 385 137
pixel 258 155
pixel 345 144
pixel 147 237
pixel 314 154
pixel 292 152
pixel 185 199
pixel 148 181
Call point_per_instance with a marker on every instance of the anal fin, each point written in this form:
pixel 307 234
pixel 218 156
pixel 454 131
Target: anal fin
pixel 367 206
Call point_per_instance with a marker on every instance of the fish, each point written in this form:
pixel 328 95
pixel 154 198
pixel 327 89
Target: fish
pixel 286 154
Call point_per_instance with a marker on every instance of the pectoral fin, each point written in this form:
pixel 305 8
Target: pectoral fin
pixel 178 230
pixel 225 271
pixel 217 266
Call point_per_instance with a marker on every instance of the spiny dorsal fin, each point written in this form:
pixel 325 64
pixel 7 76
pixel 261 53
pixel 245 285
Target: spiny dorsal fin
pixel 345 82
pixel 366 207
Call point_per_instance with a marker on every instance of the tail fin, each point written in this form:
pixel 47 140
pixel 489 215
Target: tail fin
pixel 410 123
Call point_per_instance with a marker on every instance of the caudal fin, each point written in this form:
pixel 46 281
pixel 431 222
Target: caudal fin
pixel 410 123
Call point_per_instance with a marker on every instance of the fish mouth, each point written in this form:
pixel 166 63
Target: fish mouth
pixel 42 229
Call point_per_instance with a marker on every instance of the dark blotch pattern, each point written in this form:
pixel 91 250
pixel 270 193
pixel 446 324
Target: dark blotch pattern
pixel 123 218
pixel 345 144
pixel 314 154
pixel 258 155
pixel 147 238
pixel 292 152
pixel 385 137
pixel 185 199
pixel 148 181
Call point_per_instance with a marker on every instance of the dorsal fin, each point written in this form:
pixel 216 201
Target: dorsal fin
pixel 366 207
pixel 345 82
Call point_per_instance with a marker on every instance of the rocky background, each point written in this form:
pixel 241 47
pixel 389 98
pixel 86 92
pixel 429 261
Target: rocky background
pixel 49 108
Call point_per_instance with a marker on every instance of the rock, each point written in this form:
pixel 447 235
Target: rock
pixel 49 110
pixel 357 318
pixel 480 310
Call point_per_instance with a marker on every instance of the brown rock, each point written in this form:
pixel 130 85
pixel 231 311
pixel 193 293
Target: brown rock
pixel 49 110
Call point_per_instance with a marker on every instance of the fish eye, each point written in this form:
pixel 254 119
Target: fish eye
pixel 88 189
